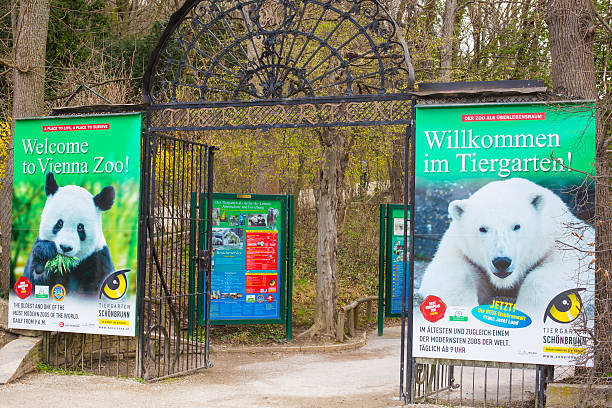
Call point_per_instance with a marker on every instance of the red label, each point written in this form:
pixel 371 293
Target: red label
pixel 270 298
pixel 261 250
pixel 61 324
pixel 496 117
pixel 433 308
pixel 23 287
pixel 71 128
pixel 260 283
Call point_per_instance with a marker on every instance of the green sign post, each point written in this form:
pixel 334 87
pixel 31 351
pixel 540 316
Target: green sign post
pixel 252 239
pixel 391 261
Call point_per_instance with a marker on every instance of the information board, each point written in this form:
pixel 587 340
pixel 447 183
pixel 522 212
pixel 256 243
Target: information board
pixel 502 232
pixel 249 240
pixel 74 240
pixel 394 257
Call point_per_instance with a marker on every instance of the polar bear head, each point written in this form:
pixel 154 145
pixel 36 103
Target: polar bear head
pixel 507 228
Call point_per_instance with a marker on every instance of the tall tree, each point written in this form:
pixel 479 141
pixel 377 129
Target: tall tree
pixel 571 25
pixel 334 159
pixel 29 49
pixel 448 33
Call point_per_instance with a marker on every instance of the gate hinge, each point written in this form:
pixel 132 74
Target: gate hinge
pixel 203 260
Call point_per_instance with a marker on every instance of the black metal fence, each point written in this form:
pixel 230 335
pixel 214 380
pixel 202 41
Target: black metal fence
pixel 97 354
pixel 477 383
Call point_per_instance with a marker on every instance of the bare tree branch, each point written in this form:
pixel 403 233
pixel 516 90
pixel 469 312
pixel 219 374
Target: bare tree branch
pixel 600 18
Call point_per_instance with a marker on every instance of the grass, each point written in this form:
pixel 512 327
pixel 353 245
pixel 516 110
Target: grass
pixel 49 369
pixel 251 334
pixel 606 375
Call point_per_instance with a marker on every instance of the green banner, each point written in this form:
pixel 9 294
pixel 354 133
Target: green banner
pixel 540 142
pixel 503 244
pixel 74 243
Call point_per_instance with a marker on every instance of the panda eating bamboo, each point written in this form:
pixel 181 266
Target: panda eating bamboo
pixel 70 248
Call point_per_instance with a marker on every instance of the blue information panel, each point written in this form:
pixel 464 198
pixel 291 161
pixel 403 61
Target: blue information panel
pixel 395 258
pixel 248 238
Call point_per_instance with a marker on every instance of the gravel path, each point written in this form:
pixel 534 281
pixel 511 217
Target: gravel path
pixel 367 377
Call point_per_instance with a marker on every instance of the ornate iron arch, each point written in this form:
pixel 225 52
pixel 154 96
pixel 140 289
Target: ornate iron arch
pixel 215 50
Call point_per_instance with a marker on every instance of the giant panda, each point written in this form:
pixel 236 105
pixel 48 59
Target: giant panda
pixel 71 225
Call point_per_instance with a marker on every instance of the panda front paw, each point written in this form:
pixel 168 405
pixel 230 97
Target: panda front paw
pixel 42 252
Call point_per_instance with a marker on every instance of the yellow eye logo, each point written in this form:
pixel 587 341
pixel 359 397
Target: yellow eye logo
pixel 565 307
pixel 115 286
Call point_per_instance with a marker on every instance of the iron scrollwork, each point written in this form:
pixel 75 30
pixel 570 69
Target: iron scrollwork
pixel 277 49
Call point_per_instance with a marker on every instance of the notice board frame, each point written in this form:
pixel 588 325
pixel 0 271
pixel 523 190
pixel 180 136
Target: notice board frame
pixel 285 284
pixel 385 261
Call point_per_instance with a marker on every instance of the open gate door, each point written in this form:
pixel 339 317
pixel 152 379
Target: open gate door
pixel 172 340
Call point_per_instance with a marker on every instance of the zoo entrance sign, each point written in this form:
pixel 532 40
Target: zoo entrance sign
pixel 74 242
pixel 503 234
pixel 291 114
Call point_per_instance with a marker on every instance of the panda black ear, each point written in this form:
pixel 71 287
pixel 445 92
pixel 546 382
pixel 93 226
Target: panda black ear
pixel 51 186
pixel 537 201
pixel 104 201
pixel 456 209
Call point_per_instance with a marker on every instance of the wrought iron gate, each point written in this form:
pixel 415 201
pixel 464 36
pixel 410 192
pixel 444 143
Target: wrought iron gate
pixel 245 64
pixel 171 340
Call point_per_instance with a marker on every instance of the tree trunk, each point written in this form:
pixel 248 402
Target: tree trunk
pixel 334 160
pixel 429 12
pixel 29 44
pixel 571 27
pixel 396 173
pixel 405 12
pixel 267 181
pixel 522 54
pixel 448 35
pixel 296 189
pixel 476 19
pixel 122 13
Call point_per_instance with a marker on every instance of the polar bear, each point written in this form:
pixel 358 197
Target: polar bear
pixel 512 240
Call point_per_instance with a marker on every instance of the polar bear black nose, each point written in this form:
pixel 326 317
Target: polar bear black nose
pixel 502 263
pixel 66 248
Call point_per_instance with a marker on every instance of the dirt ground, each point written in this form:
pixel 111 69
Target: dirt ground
pixel 368 377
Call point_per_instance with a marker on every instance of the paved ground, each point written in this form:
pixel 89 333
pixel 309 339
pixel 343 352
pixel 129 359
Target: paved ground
pixel 367 377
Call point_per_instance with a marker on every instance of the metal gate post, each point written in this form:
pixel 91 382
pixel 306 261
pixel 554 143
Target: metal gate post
pixel 404 396
pixel 406 366
pixel 193 258
pixel 209 209
pixel 381 267
pixel 289 270
pixel 412 140
pixel 145 180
